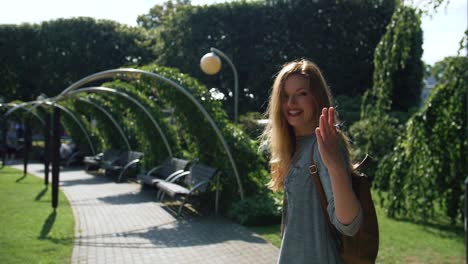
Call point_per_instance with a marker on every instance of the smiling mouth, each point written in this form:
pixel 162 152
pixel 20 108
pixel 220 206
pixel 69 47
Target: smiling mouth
pixel 294 113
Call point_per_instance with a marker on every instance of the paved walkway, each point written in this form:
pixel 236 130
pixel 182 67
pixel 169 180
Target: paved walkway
pixel 119 223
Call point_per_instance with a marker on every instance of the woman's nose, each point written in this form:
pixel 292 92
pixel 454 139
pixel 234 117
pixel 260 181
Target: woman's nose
pixel 291 100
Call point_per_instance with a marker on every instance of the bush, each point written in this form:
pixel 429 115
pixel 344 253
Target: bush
pixel 260 209
pixel 374 136
pixel 348 109
pixel 249 124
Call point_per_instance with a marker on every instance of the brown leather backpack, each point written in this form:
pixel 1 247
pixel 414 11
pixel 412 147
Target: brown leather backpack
pixel 364 245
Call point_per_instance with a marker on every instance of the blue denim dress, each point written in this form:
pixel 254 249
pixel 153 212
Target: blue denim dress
pixel 306 237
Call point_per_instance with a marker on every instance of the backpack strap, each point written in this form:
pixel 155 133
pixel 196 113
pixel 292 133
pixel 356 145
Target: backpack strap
pixel 314 172
pixel 323 199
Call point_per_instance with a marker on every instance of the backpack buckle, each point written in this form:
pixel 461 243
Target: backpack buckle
pixel 313 169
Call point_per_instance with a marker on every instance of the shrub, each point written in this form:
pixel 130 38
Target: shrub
pixel 260 209
pixel 248 122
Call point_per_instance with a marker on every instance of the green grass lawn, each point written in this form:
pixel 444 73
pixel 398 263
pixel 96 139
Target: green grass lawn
pixel 30 231
pixel 405 242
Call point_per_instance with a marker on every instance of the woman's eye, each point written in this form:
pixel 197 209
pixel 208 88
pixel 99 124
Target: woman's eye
pixel 303 94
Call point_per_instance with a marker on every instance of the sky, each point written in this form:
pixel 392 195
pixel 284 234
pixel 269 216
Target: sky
pixel 442 32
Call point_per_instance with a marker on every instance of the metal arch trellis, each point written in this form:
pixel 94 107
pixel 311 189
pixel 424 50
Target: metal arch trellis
pixel 127 73
pixel 53 100
pixel 28 110
pixel 105 89
pixel 22 105
pixel 41 102
pixel 66 110
pixel 124 73
pixel 108 115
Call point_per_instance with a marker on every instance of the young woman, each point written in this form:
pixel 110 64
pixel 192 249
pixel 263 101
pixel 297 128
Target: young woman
pixel 302 118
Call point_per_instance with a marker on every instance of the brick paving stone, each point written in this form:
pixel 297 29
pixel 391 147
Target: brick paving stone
pixel 120 223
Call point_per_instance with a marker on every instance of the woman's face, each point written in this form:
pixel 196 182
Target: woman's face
pixel 298 105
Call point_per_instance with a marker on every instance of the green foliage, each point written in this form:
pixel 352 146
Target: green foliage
pixel 52 53
pixel 102 131
pixel 422 172
pixel 374 136
pixel 158 14
pixel 145 136
pixel 396 85
pixel 137 127
pixel 257 210
pixel 428 165
pixel 441 68
pixel 199 137
pixel 249 123
pixel 47 57
pixel 75 132
pixel 348 108
pixel 189 132
pixel 277 32
pixel 397 56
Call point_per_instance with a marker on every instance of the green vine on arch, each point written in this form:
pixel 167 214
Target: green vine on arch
pixel 193 132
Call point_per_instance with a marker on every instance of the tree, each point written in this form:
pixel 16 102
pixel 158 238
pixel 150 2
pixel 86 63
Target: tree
pixel 340 36
pixel 47 57
pixel 428 165
pixel 421 170
pixel 158 14
pixel 398 66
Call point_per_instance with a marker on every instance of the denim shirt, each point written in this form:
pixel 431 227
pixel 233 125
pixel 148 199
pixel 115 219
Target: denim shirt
pixel 306 235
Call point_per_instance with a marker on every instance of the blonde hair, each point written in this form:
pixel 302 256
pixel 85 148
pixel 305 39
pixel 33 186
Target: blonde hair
pixel 278 134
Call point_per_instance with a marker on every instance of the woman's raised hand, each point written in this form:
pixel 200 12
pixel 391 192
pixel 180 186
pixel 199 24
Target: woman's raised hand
pixel 328 139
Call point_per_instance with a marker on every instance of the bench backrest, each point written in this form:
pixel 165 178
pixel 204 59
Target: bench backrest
pixel 127 156
pixel 198 173
pixel 110 156
pixel 170 166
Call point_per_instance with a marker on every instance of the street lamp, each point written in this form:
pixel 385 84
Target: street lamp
pixel 210 64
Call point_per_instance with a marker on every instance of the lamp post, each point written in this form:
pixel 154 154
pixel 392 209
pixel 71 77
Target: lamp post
pixel 55 154
pixel 210 64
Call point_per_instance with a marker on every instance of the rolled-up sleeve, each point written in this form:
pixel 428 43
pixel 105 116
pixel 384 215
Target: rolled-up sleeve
pixel 349 229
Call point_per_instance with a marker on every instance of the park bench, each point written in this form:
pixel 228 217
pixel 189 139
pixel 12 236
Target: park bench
pixel 188 184
pixel 169 169
pixel 107 157
pixel 127 161
pixel 74 159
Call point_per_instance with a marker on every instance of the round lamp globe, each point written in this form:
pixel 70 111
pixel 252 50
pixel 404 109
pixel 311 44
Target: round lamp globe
pixel 210 63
